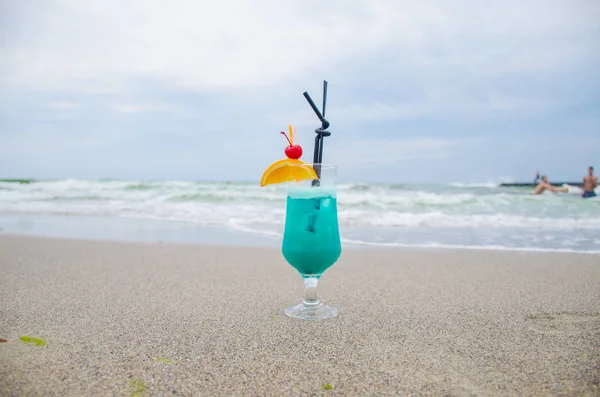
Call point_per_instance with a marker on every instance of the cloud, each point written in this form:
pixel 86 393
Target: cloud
pixel 494 104
pixel 171 109
pixel 148 84
pixel 63 105
pixel 388 151
pixel 190 44
pixel 222 45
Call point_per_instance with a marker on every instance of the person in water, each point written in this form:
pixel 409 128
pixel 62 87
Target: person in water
pixel 537 177
pixel 589 184
pixel 544 185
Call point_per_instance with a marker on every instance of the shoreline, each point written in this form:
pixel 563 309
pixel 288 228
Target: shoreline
pixel 117 229
pixel 120 317
pixel 277 246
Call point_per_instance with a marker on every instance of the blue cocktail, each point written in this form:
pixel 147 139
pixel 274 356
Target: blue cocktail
pixel 311 239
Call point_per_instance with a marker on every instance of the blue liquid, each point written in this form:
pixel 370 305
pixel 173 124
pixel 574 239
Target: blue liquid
pixel 311 240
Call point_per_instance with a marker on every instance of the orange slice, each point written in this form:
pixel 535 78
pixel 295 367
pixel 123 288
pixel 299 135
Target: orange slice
pixel 287 170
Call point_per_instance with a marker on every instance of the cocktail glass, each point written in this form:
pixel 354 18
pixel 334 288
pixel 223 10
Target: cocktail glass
pixel 311 239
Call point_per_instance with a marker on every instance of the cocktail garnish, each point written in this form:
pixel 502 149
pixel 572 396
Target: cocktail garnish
pixel 287 170
pixel 292 151
pixel 290 169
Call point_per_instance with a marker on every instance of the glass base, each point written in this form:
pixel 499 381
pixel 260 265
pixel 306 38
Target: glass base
pixel 318 311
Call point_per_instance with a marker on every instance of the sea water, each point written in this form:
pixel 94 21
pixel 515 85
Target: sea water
pixel 458 215
pixel 311 239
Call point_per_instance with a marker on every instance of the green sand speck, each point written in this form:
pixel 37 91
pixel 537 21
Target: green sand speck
pixel 138 388
pixel 33 341
pixel 327 386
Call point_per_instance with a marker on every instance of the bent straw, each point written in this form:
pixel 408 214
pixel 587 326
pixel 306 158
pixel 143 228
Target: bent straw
pixel 321 132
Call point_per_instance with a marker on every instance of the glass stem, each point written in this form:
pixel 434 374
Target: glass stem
pixel 311 297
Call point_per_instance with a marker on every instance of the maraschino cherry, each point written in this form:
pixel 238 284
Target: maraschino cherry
pixel 292 151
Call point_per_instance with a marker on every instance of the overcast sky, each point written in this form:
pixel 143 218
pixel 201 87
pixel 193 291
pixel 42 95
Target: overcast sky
pixel 419 91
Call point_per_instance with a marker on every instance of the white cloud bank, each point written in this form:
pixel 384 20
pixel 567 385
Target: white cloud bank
pixel 142 82
pixel 208 45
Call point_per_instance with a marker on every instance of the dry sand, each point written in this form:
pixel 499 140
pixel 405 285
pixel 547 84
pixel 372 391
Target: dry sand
pixel 127 319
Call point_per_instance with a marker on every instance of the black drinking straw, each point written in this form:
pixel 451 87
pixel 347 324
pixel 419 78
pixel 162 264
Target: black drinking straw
pixel 321 132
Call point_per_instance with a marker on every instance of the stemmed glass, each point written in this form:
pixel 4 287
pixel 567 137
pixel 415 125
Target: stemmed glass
pixel 311 239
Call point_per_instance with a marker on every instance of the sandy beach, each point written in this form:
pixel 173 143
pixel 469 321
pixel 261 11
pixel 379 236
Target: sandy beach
pixel 150 319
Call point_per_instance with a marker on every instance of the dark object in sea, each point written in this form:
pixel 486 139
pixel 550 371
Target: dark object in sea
pixel 531 184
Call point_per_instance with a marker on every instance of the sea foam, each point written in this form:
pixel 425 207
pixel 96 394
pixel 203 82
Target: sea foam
pixel 456 214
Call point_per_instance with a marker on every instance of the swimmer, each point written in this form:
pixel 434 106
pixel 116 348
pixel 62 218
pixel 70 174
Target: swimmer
pixel 589 184
pixel 544 185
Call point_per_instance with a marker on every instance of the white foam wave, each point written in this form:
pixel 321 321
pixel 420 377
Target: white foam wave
pixel 249 208
pixel 490 185
pixel 489 247
pixel 383 199
pixel 447 220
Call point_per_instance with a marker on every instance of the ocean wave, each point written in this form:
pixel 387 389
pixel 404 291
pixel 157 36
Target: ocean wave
pixel 437 219
pixel 247 207
pixel 488 185
pixel 222 212
pixel 487 247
